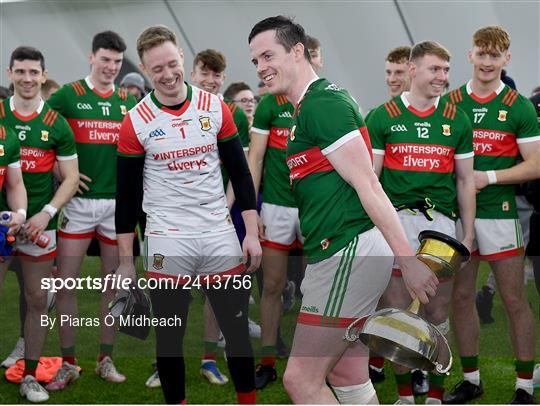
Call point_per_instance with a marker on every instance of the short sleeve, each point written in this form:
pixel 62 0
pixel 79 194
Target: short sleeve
pixel 262 120
pixel 464 148
pixel 376 132
pixel 333 121
pixel 228 128
pixel 65 144
pixel 528 130
pixel 128 143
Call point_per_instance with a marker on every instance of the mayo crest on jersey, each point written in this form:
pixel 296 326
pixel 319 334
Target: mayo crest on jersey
pixel 183 187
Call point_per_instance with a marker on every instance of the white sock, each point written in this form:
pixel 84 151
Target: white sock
pixel 472 377
pixel 407 400
pixel 433 401
pixel 525 384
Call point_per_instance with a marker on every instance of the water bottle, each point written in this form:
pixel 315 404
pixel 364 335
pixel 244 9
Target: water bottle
pixel 5 218
pixel 41 240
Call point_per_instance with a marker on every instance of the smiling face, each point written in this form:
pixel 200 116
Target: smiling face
pixel 246 101
pixel 164 65
pixel 429 75
pixel 397 77
pixel 275 66
pixel 27 78
pixel 105 66
pixel 207 79
pixel 488 63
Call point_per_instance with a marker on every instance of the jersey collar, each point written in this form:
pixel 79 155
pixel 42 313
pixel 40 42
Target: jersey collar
pixel 488 97
pixel 28 117
pixel 173 112
pixel 306 89
pixel 417 112
pixel 93 88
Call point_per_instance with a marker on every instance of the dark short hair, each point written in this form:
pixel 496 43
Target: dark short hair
pixel 23 53
pixel 288 33
pixel 108 40
pixel 233 89
pixel 210 59
pixel 399 54
pixel 313 43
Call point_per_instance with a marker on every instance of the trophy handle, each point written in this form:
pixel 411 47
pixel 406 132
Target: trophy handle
pixel 440 368
pixel 349 334
pixel 414 307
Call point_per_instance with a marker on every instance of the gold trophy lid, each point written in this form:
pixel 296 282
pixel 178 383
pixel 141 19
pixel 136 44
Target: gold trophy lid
pixel 452 242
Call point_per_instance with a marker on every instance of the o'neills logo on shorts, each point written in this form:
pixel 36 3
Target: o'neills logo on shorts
pixel 158 261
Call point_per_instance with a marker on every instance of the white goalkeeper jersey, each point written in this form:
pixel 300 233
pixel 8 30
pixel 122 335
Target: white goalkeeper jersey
pixel 182 182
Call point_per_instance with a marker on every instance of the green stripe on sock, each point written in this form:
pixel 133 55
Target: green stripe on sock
pixel 210 347
pixel 268 351
pixel 68 351
pixel 402 379
pixel 469 362
pixel 436 381
pixel 106 349
pixel 30 364
pixel 524 366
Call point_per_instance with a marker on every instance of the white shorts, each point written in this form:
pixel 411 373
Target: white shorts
pixel 496 238
pixel 281 227
pixel 348 285
pixel 29 249
pixel 88 218
pixel 413 224
pixel 166 257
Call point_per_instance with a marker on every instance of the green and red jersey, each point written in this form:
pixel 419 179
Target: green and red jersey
pixel 95 119
pixel 273 117
pixel 500 121
pixel 44 137
pixel 330 211
pixel 419 149
pixel 9 149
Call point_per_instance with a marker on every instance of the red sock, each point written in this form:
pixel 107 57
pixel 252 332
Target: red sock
pixel 69 359
pixel 269 361
pixel 377 362
pixel 436 393
pixel 246 398
pixel 31 372
pixel 208 356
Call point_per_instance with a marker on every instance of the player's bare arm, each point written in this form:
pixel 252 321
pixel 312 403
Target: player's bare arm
pixel 466 197
pixel 527 170
pixel 378 161
pixel 354 165
pixel 69 172
pixel 16 198
pixel 257 150
pixel 82 183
